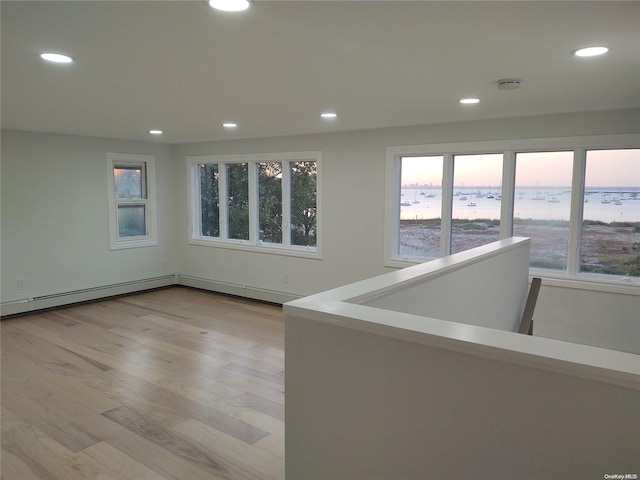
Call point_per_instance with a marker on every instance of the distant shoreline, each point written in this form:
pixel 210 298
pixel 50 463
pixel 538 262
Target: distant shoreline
pixel 516 220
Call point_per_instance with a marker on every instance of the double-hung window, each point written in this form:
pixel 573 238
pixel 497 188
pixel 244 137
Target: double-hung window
pixel 263 202
pixel 131 183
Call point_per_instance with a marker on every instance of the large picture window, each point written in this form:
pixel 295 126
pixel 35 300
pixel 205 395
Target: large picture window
pixel 578 199
pixel 131 183
pixel 270 202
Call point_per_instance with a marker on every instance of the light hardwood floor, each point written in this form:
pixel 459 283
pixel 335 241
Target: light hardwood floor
pixel 168 384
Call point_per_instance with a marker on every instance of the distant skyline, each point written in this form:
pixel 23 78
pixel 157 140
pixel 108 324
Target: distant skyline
pixel 605 168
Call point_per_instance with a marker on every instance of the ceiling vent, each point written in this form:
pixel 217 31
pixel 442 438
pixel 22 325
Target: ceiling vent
pixel 509 83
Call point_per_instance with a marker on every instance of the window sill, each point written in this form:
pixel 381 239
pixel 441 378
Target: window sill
pixel 403 262
pixel 123 245
pixel 268 248
pixel 582 281
pixel 585 281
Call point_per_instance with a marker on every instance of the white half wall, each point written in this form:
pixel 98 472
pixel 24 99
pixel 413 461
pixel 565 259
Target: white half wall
pixel 490 292
pixel 379 394
pixel 366 406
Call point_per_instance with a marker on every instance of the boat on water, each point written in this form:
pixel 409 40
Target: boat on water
pixel 405 204
pixel 553 200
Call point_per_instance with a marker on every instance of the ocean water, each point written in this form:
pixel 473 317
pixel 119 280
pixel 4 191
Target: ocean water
pixel 623 203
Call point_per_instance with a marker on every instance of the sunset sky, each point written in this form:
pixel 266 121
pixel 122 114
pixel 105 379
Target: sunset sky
pixel 605 168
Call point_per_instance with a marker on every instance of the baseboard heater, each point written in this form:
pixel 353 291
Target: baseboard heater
pixel 238 290
pixel 65 298
pixel 95 293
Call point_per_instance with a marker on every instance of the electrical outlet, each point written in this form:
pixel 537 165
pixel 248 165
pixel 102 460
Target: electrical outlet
pixel 285 277
pixel 20 284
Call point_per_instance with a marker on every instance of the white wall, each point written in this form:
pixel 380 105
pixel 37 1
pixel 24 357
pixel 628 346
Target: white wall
pixel 55 226
pixel 603 319
pixel 54 211
pixel 353 195
pixel 353 203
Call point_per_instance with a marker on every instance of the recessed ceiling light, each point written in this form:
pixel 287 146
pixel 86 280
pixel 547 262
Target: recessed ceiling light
pixel 328 115
pixel 469 101
pixel 229 125
pixel 56 58
pixel 590 51
pixel 155 132
pixel 229 5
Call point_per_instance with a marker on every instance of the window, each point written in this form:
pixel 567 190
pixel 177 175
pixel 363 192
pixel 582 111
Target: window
pixel 542 205
pixel 131 183
pixel 209 201
pixel 420 206
pixel 578 199
pixel 303 203
pixel 271 202
pixel 238 201
pixel 610 240
pixel 477 181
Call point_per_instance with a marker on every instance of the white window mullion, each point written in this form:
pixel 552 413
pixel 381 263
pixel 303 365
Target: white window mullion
pixel 508 194
pixel 394 212
pixel 447 205
pixel 286 203
pixel 195 215
pixel 224 200
pixel 577 207
pixel 254 217
pixel 147 216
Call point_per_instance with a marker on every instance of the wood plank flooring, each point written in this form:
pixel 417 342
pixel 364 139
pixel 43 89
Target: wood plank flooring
pixel 168 384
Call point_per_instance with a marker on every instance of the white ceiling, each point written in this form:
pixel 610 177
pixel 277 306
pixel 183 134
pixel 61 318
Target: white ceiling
pixel 183 67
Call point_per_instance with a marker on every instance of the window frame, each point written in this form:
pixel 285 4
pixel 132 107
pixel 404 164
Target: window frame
pixel 147 166
pixel 253 244
pixel 509 148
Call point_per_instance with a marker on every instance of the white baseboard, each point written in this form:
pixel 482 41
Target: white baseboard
pixel 65 298
pixel 254 293
pixel 15 307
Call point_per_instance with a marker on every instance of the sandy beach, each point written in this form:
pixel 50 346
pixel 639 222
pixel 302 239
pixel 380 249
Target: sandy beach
pixel 604 246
